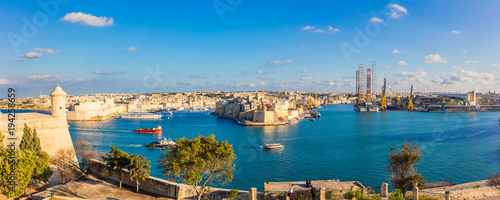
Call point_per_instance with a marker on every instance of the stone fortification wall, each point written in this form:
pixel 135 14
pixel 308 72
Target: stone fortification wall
pixel 155 185
pixel 264 116
pixel 52 131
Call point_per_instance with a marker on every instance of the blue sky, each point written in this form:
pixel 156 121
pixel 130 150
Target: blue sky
pixel 173 46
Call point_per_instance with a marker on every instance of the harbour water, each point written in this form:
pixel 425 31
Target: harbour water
pixel 343 144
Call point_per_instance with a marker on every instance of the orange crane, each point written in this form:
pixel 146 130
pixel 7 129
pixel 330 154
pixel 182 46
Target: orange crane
pixel 383 99
pixel 398 100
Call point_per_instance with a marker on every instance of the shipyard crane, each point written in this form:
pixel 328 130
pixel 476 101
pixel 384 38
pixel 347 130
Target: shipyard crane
pixel 310 100
pixel 398 100
pixel 410 102
pixel 443 104
pixel 383 99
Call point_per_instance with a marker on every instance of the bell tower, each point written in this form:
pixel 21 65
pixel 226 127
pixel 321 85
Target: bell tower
pixel 58 102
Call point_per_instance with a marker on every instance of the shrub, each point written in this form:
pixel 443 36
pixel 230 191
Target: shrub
pixel 375 197
pixel 233 192
pixel 350 195
pixel 427 197
pixel 396 195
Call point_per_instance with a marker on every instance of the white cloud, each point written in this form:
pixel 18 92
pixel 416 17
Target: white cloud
pixel 49 78
pixel 35 53
pixel 397 10
pixel 221 69
pixel 333 30
pixel 431 58
pixel 252 85
pixel 46 51
pixel 376 20
pixel 87 19
pixel 262 83
pixel 304 71
pixel 132 49
pixel 454 67
pixel 395 51
pixel 471 61
pixel 402 63
pixel 329 29
pixel 455 32
pixel 472 77
pixel 4 81
pixel 279 62
pixel 465 51
pixel 308 28
pixel 420 73
pixel 268 72
pixel 306 78
pixel 108 72
pixel 199 76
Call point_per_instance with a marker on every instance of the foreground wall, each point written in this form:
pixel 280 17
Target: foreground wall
pixel 155 185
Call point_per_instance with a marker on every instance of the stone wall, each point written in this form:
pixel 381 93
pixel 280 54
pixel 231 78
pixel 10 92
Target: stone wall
pixel 482 192
pixel 155 185
pixel 52 131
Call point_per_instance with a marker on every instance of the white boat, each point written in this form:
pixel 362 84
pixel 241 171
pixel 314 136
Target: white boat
pixel 273 145
pixel 137 114
pixel 165 143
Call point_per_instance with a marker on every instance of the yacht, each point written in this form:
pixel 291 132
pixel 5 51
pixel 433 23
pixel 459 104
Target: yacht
pixel 165 143
pixel 137 114
pixel 273 145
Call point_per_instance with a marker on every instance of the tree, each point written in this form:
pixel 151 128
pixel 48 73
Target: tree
pixel 84 151
pixel 494 180
pixel 64 162
pixel 138 168
pixel 21 166
pixel 403 174
pixel 36 145
pixel 41 160
pixel 27 140
pixel 199 162
pixel 116 160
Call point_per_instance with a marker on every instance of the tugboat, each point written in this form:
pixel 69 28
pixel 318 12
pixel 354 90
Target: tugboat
pixel 272 146
pixel 165 143
pixel 149 130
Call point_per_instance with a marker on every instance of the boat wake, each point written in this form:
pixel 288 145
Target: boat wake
pixel 102 130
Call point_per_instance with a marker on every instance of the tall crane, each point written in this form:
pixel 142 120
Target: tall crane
pixel 410 102
pixel 383 99
pixel 398 100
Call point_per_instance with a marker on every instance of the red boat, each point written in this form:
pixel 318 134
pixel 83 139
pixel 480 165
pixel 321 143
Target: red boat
pixel 149 130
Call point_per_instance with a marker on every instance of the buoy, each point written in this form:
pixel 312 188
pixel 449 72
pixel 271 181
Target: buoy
pixel 258 128
pixel 168 122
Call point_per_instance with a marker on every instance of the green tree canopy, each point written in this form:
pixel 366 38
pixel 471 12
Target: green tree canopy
pixel 138 168
pixel 22 166
pixel 27 139
pixel 402 172
pixel 116 160
pixel 41 160
pixel 199 162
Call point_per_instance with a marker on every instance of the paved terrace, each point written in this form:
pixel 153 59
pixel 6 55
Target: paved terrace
pixel 301 185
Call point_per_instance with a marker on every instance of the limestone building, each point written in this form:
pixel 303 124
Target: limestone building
pixel 51 129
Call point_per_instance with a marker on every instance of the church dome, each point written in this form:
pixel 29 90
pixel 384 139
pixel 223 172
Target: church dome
pixel 58 92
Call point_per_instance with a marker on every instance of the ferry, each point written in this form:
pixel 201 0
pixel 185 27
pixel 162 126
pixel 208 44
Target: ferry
pixel 165 143
pixel 149 130
pixel 138 114
pixel 273 145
